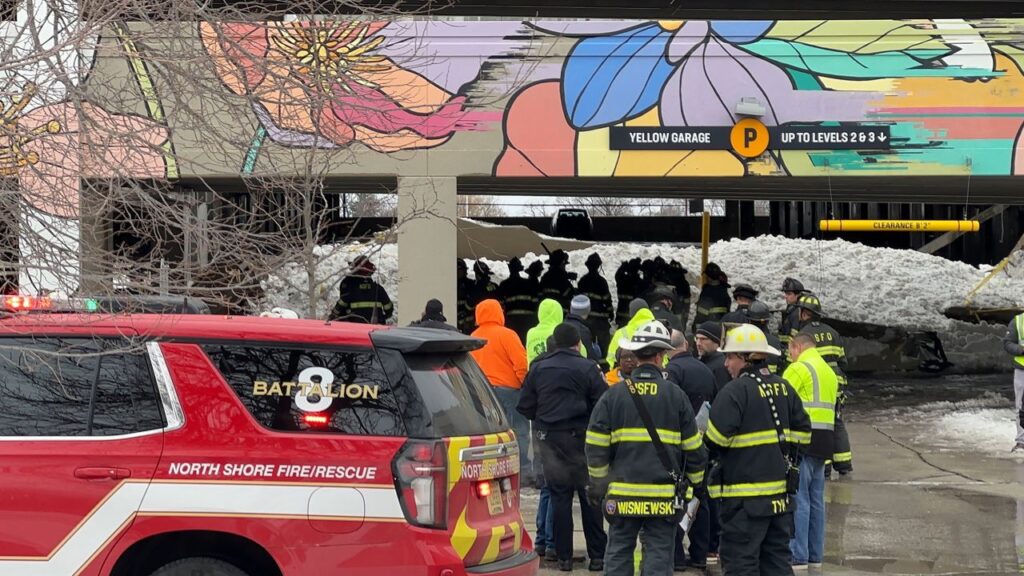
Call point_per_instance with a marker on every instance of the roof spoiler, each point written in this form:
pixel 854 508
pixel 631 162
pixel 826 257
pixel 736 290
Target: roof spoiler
pixel 425 341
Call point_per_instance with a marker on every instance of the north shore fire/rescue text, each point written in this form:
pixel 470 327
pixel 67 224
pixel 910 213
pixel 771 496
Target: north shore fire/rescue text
pixel 272 471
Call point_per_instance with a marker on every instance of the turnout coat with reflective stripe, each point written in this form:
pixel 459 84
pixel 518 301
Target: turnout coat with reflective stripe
pixel 742 435
pixel 620 454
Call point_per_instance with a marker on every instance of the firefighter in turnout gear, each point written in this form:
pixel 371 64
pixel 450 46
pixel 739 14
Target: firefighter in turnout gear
pixel 642 484
pixel 465 315
pixel 757 432
pixel 519 298
pixel 483 288
pixel 759 314
pixel 789 325
pixel 360 298
pixel 830 346
pixel 594 286
pixel 714 300
pixel 557 281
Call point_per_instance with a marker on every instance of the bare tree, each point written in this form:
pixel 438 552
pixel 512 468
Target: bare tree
pixel 476 206
pixel 95 120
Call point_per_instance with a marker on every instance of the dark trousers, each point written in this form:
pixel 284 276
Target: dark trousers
pixel 842 459
pixel 754 545
pixel 658 534
pixel 565 471
pixel 700 538
pixel 521 324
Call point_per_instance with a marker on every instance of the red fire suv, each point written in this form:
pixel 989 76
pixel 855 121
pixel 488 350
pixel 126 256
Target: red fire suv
pixel 174 445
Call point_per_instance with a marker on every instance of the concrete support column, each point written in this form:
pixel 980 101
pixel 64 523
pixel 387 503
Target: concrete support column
pixel 427 238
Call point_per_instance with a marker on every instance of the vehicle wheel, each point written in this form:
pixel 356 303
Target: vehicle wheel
pixel 199 567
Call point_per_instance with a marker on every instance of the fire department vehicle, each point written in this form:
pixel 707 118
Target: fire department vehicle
pixel 199 445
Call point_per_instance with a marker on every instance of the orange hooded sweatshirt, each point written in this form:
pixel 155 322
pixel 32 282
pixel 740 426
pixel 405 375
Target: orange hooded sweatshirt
pixel 503 359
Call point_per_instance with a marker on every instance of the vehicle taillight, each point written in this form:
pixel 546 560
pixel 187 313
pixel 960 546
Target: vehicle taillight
pixel 483 489
pixel 315 419
pixel 421 478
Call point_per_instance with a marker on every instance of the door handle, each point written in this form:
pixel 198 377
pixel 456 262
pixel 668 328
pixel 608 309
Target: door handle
pixel 102 473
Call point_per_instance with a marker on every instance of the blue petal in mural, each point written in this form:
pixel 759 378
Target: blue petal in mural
pixel 609 79
pixel 740 31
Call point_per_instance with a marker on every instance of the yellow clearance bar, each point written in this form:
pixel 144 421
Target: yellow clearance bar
pixel 899 225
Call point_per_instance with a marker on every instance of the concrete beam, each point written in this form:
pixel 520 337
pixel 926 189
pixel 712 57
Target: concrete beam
pixel 950 237
pixel 427 241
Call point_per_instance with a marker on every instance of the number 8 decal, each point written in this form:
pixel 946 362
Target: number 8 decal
pixel 302 401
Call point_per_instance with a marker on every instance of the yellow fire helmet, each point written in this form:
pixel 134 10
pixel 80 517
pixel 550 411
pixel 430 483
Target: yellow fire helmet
pixel 746 339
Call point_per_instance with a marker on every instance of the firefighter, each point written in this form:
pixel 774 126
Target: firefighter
pixel 360 298
pixel 594 286
pixel 520 299
pixel 627 280
pixel 757 432
pixel 677 278
pixel 744 295
pixel 641 485
pixel 758 314
pixel 830 346
pixel 557 281
pixel 465 315
pixel 1013 343
pixel 482 288
pixel 713 302
pixel 792 289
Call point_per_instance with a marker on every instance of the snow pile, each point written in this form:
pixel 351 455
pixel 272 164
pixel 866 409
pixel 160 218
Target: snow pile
pixel 855 282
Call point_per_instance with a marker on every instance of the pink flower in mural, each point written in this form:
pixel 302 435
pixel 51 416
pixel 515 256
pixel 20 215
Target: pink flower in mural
pixel 539 140
pixel 49 148
pixel 329 84
pixel 1018 154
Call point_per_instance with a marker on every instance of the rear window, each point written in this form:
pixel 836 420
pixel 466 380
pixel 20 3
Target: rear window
pixel 311 390
pixel 456 395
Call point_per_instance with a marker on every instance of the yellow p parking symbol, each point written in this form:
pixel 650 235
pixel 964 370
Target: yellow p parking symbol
pixel 749 138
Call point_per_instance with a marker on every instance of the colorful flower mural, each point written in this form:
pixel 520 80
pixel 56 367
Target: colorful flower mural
pixel 950 90
pixel 331 84
pixel 49 148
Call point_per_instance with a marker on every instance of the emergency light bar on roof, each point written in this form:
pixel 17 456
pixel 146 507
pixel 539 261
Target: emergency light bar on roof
pixel 19 303
pixel 120 304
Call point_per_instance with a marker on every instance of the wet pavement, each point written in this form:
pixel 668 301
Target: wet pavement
pixel 935 489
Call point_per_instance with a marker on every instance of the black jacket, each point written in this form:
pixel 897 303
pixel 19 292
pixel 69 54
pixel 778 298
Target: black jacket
pixel 586 337
pixel 713 302
pixel 716 363
pixel 433 323
pixel 620 455
pixel 743 436
pixel 561 390
pixel 694 378
pixel 465 315
pixel 737 316
pixel 362 299
pixel 666 317
pixel 481 289
pixel 555 284
pixel 519 297
pixel 594 286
